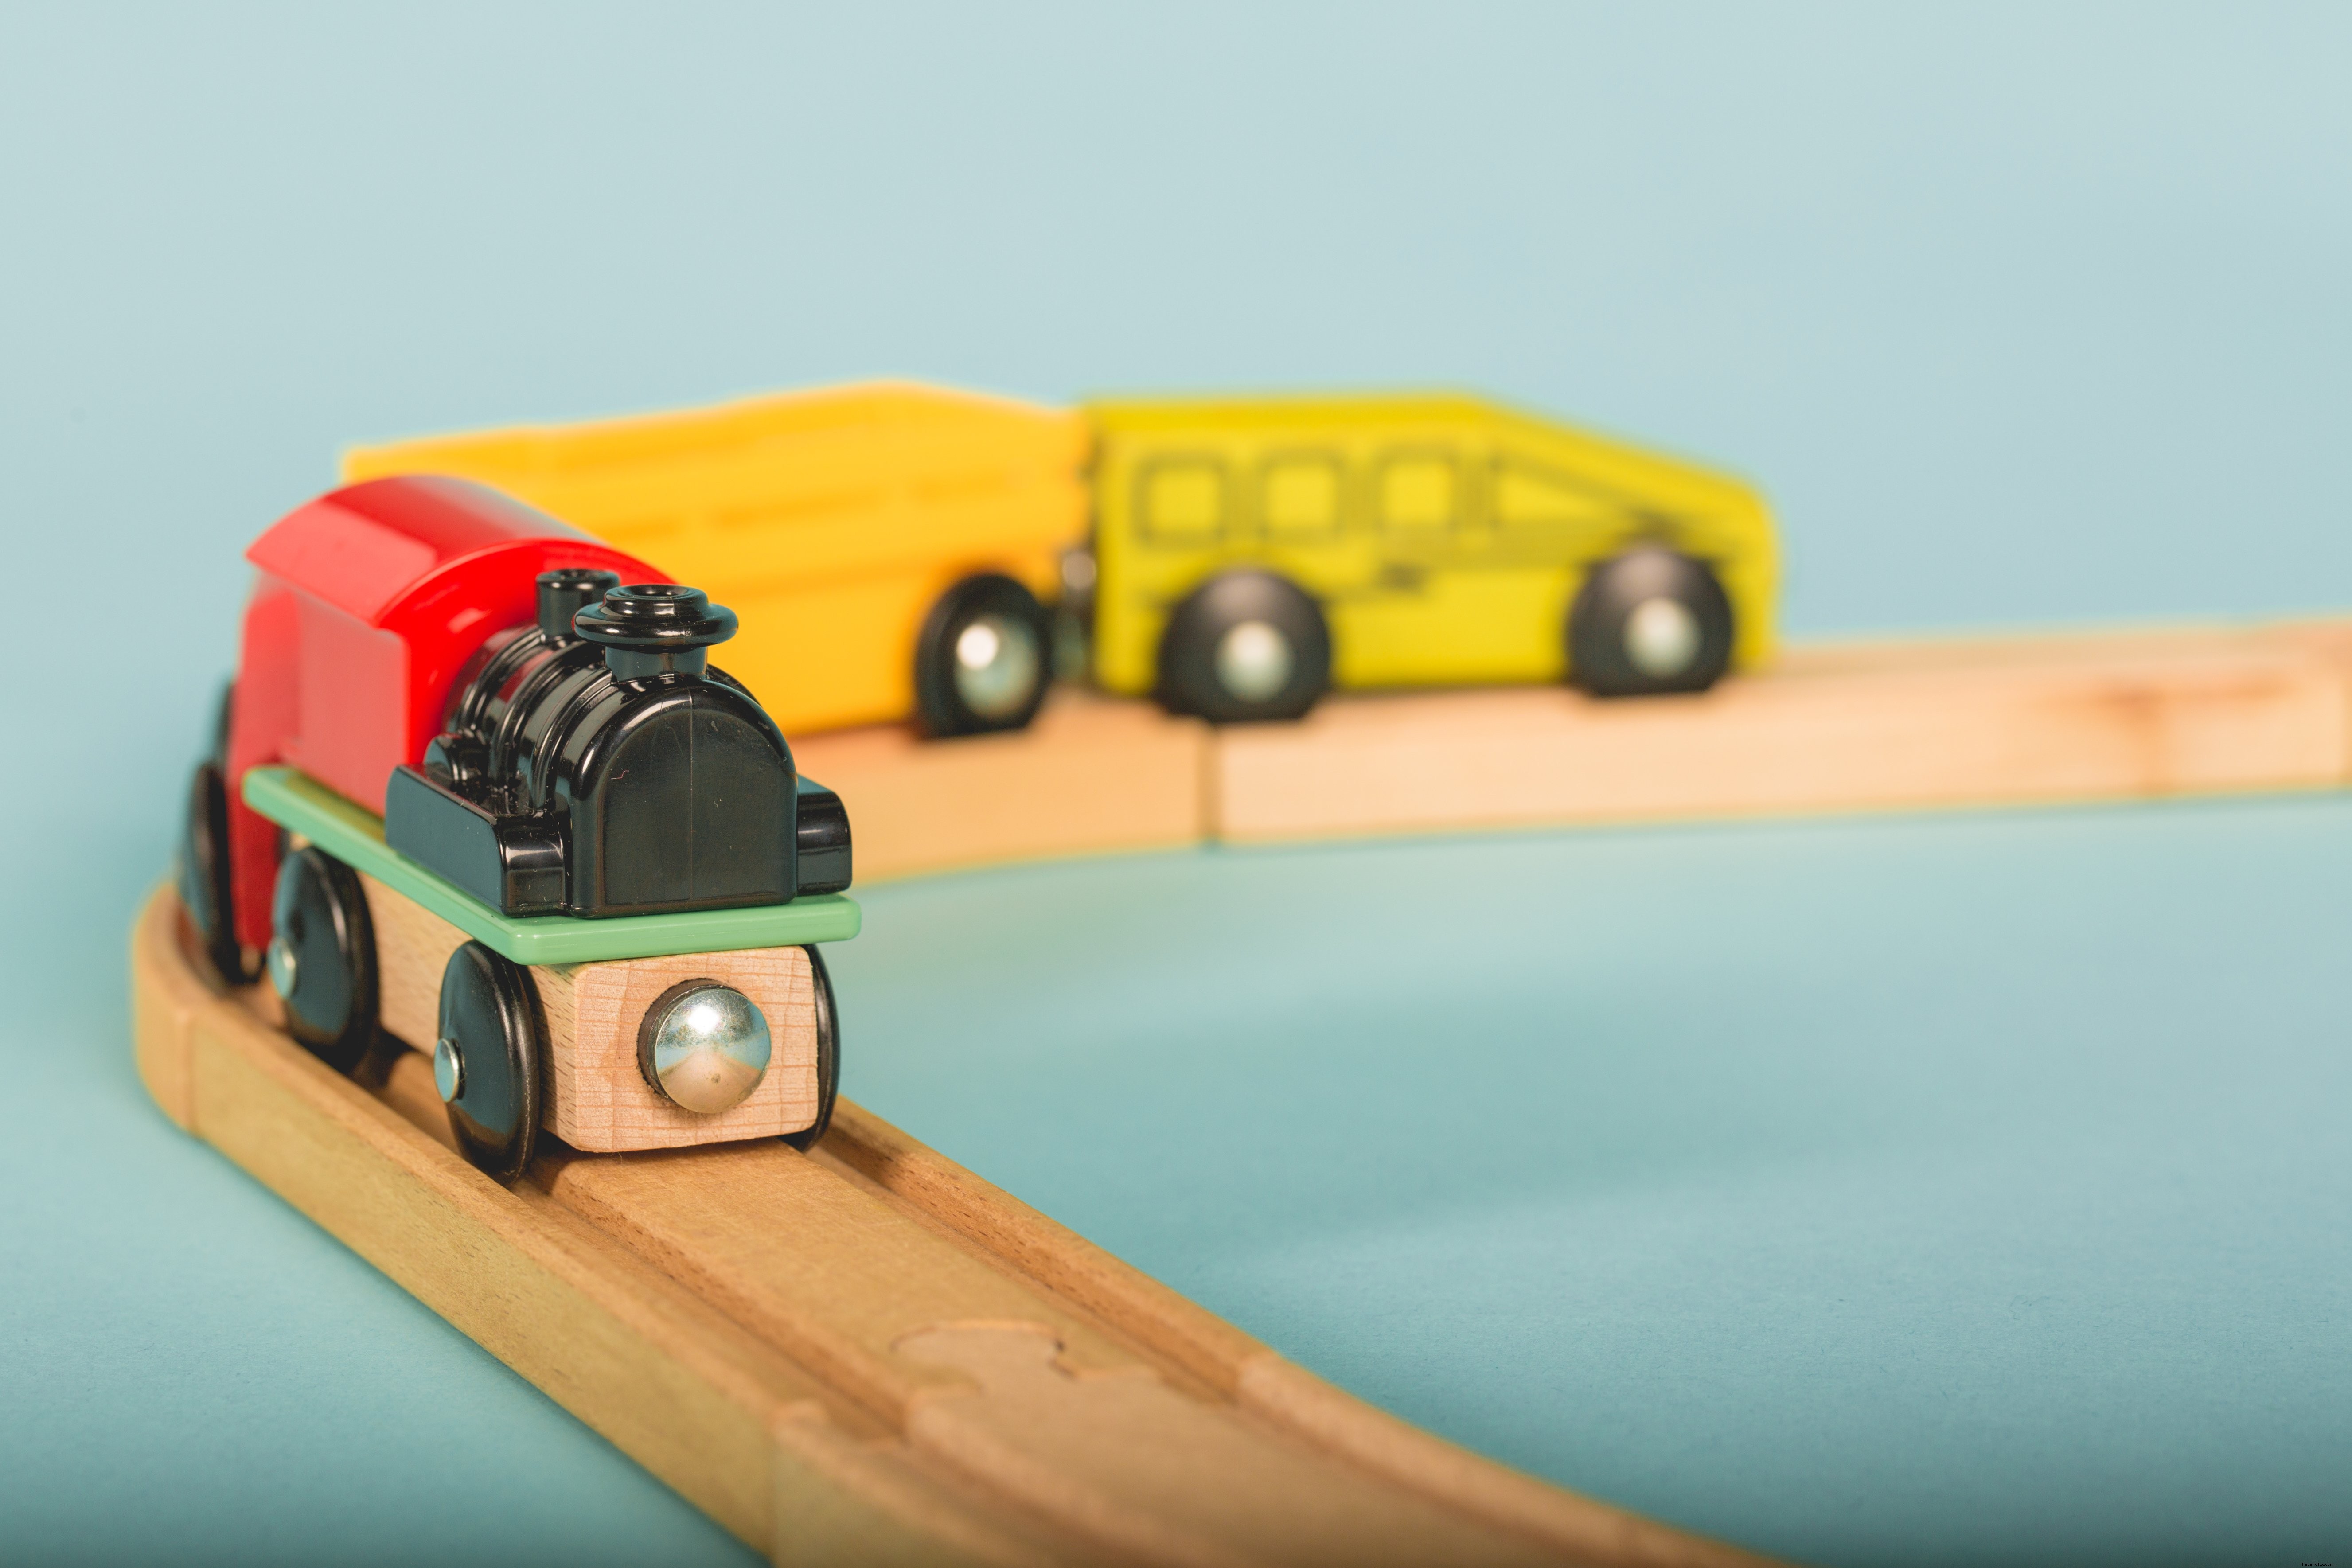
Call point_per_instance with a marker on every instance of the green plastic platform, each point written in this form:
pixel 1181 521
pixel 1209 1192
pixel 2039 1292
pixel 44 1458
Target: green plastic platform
pixel 355 836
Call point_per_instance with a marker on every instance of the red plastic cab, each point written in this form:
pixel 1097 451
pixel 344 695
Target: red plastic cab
pixel 370 600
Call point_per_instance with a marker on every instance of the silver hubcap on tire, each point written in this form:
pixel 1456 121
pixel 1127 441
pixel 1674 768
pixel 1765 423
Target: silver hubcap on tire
pixel 285 970
pixel 1662 637
pixel 1254 661
pixel 995 665
pixel 448 1069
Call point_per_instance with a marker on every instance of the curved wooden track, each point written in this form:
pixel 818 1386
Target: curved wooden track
pixel 865 1354
pixel 869 1354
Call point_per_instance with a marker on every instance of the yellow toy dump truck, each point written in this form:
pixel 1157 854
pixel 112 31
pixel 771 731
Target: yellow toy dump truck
pixel 897 543
pixel 887 545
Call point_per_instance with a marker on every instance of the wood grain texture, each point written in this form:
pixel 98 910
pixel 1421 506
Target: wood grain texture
pixel 1184 1335
pixel 596 1098
pixel 2129 715
pixel 412 947
pixel 1155 1475
pixel 1090 775
pixel 832 1365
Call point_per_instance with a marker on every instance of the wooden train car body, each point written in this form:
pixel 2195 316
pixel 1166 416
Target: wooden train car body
pixel 478 793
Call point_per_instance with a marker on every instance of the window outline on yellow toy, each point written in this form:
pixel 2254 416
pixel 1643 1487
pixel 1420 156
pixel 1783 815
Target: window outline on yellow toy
pixel 1613 509
pixel 1391 458
pixel 1144 512
pixel 1328 457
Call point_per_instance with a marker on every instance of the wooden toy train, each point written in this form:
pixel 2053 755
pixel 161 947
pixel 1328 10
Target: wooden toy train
pixel 597 883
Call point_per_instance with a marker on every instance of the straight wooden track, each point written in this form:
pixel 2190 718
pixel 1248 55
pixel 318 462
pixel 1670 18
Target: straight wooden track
pixel 1922 724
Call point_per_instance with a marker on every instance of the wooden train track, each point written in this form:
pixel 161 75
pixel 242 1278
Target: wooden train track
pixel 864 1354
pixel 1902 726
pixel 867 1353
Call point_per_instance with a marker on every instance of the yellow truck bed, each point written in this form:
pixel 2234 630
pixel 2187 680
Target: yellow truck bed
pixel 829 520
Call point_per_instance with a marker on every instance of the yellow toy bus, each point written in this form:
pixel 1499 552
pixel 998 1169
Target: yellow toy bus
pixel 892 547
pixel 1253 553
pixel 888 545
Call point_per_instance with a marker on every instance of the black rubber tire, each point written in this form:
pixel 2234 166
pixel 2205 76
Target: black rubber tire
pixel 224 715
pixel 1190 680
pixel 828 1057
pixel 490 1009
pixel 319 918
pixel 950 700
pixel 1603 652
pixel 205 877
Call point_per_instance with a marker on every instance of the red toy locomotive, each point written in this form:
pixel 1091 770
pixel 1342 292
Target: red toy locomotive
pixel 574 806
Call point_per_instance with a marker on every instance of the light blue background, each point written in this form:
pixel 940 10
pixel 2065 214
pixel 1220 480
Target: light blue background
pixel 2028 1239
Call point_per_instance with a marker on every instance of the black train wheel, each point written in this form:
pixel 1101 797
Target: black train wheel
pixel 1648 622
pixel 321 958
pixel 983 659
pixel 828 1057
pixel 493 1037
pixel 205 876
pixel 1244 646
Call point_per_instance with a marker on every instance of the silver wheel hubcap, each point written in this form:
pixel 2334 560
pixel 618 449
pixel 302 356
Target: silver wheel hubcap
pixel 1255 660
pixel 995 665
pixel 1662 637
pixel 710 1049
pixel 448 1069
pixel 283 968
